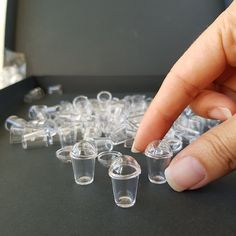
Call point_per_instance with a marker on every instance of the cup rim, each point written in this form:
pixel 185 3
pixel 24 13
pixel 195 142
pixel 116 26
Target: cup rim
pixel 104 162
pixel 159 157
pixel 83 157
pixel 61 150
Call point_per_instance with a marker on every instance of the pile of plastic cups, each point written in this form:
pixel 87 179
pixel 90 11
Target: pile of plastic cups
pixel 89 129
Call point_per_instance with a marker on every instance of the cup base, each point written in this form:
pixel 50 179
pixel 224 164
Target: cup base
pixel 157 179
pixel 125 202
pixel 84 180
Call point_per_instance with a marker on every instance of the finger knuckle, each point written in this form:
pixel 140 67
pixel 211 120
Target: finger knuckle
pixel 221 151
pixel 189 88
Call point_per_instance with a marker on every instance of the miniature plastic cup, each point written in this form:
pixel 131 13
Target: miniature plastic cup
pixel 106 158
pixel 16 134
pixel 67 136
pixel 128 143
pixel 38 112
pixel 124 173
pixel 82 105
pixel 158 155
pixel 175 144
pixel 34 94
pixel 102 144
pixel 92 132
pixel 119 135
pixel 83 157
pixel 14 121
pixel 63 154
pixel 67 132
pixel 55 89
pixel 104 98
pixel 35 139
pixel 51 128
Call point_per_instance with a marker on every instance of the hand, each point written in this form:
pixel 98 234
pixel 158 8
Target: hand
pixel 205 78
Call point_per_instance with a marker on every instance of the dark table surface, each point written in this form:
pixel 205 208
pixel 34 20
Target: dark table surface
pixel 38 196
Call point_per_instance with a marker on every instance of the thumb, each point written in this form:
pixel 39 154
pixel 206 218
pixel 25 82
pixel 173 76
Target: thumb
pixel 209 157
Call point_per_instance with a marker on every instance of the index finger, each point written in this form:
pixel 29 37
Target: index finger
pixel 199 66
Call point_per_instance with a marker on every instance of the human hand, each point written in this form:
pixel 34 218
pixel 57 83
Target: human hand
pixel 205 78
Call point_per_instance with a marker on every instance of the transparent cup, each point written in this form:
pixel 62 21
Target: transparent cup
pixel 14 121
pixel 51 128
pixel 38 112
pixel 92 132
pixel 83 157
pixel 67 136
pixel 128 143
pixel 35 139
pixel 55 89
pixel 104 98
pixel 124 173
pixel 119 135
pixel 67 132
pixel 106 158
pixel 16 134
pixel 175 144
pixel 82 105
pixel 102 144
pixel 158 155
pixel 34 94
pixel 63 154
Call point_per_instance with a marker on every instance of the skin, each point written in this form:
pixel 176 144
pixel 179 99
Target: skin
pixel 204 78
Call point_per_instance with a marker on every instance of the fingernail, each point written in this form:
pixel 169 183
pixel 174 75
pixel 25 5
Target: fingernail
pixel 220 113
pixel 185 173
pixel 134 150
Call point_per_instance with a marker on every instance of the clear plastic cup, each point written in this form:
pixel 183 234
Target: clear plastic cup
pixel 55 89
pixel 35 139
pixel 34 94
pixel 82 105
pixel 67 135
pixel 129 143
pixel 67 132
pixel 158 155
pixel 92 132
pixel 102 144
pixel 106 158
pixel 175 144
pixel 83 157
pixel 16 134
pixel 124 173
pixel 119 135
pixel 14 121
pixel 104 98
pixel 63 154
pixel 38 112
